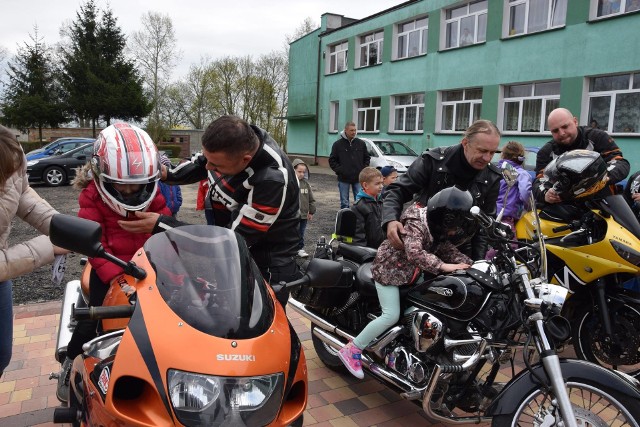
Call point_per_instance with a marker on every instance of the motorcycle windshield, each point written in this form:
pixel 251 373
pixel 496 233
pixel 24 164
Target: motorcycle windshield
pixel 617 207
pixel 208 278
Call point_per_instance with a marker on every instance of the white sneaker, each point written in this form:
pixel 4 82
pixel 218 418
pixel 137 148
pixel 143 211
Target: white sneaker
pixel 302 253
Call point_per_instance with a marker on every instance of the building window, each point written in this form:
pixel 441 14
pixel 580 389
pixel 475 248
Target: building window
pixel 334 116
pixel 526 106
pixel 613 102
pixel 615 7
pixel 530 16
pixel 368 113
pixel 460 108
pixel 408 112
pixel 371 49
pixel 338 57
pixel 412 38
pixel 466 24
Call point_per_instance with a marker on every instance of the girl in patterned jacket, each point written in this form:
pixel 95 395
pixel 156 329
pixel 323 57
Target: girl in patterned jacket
pixel 430 245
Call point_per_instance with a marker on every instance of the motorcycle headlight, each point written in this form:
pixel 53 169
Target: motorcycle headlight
pixel 207 400
pixel 626 252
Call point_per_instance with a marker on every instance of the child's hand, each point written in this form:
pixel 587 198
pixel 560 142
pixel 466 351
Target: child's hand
pixel 449 268
pixel 309 217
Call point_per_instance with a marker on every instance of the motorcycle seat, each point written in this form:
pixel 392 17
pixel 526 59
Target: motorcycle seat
pixel 359 254
pixel 366 285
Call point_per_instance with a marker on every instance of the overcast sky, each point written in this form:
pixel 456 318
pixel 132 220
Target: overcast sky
pixel 211 28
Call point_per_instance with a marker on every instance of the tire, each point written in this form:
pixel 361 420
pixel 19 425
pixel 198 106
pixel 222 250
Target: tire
pixel 54 176
pixel 589 344
pixel 327 354
pixel 536 408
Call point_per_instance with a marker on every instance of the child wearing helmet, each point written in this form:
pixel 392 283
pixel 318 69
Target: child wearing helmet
pixel 120 178
pixel 432 234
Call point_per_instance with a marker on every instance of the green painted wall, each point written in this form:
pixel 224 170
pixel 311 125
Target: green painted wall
pixel 569 54
pixel 303 75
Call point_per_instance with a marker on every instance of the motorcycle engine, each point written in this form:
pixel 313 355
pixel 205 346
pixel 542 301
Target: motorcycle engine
pixel 426 330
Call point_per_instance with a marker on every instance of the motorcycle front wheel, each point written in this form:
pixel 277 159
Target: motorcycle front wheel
pixel 592 407
pixel 623 353
pixel 327 354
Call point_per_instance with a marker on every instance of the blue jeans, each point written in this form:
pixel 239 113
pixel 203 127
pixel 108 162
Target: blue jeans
pixel 6 324
pixel 303 228
pixel 344 187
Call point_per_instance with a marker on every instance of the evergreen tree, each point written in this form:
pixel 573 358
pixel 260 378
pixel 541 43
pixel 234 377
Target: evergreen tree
pixel 100 82
pixel 32 98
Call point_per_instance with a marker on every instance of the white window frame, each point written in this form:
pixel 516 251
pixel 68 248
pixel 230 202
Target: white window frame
pixel 634 77
pixel 520 100
pixel 363 109
pixel 335 53
pixel 416 103
pixel 509 5
pixel 334 116
pixel 367 42
pixel 457 21
pixel 423 38
pixel 626 6
pixel 474 104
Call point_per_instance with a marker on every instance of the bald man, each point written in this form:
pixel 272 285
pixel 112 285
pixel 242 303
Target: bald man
pixel 567 136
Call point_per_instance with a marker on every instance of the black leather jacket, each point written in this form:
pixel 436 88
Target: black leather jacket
pixel 433 171
pixel 261 203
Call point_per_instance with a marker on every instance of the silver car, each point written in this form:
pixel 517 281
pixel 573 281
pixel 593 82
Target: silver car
pixel 386 152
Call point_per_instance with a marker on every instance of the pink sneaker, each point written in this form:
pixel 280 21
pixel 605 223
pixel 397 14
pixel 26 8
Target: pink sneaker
pixel 350 355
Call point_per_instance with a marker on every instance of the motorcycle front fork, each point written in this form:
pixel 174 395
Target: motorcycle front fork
pixel 603 308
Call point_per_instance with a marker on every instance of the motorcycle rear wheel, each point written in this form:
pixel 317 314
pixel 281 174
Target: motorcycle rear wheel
pixel 327 354
pixel 589 343
pixel 591 407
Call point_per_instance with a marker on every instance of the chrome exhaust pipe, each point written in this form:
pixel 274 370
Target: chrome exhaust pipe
pixel 381 372
pixel 317 320
pixel 72 295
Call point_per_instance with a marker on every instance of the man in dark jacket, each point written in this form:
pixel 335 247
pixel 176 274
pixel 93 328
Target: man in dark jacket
pixel 466 165
pixel 567 136
pixel 349 155
pixel 255 192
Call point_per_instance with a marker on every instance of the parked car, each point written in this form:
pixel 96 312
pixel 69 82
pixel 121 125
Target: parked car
pixel 60 169
pixel 59 146
pixel 386 152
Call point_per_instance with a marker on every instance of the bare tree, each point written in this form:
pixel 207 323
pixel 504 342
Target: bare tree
pixel 194 95
pixel 154 49
pixel 226 84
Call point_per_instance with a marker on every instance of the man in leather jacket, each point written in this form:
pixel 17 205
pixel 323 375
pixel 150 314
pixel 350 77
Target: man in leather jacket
pixel 254 192
pixel 466 165
pixel 568 136
pixel 349 155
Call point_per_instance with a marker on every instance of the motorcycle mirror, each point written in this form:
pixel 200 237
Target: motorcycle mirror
pixel 319 271
pixel 510 176
pixel 76 234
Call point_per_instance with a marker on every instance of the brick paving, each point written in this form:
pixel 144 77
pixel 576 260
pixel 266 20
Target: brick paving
pixel 27 396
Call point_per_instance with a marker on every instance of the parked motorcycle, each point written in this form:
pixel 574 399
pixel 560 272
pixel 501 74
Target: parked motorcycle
pixel 457 333
pixel 191 335
pixel 592 254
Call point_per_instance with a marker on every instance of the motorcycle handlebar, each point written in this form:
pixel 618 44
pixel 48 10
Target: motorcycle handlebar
pixel 561 228
pixel 96 313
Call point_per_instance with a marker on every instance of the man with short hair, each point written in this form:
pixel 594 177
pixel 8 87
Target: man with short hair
pixel 568 136
pixel 466 165
pixel 254 191
pixel 349 155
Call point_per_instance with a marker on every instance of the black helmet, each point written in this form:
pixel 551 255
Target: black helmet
pixel 448 216
pixel 577 174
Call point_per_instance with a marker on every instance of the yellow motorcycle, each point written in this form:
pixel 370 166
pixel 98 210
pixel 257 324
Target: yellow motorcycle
pixel 592 255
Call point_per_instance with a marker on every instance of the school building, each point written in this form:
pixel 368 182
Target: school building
pixel 422 71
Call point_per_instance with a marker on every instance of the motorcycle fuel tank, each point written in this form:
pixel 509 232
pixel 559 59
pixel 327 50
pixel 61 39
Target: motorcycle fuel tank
pixel 457 295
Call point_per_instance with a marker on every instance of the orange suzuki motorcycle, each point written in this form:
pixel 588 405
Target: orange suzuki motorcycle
pixel 190 336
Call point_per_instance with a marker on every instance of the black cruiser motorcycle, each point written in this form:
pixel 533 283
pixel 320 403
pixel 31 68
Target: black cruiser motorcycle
pixel 460 330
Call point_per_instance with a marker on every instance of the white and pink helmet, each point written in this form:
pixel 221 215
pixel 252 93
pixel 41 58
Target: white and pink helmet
pixel 125 154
